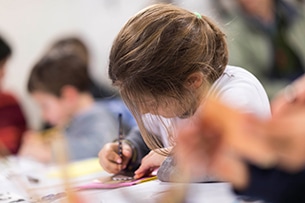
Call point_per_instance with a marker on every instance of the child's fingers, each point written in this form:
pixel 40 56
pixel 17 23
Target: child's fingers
pixel 294 93
pixel 109 158
pixel 141 171
pixel 144 169
pixel 144 173
pixel 298 86
pixel 149 163
pixel 111 153
pixel 127 154
pixel 110 162
pixel 112 168
pixel 113 157
pixel 138 175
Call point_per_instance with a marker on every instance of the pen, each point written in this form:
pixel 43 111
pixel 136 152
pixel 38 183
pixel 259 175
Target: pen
pixel 121 136
pixel 143 180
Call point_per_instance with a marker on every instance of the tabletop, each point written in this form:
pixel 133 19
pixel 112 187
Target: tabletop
pixel 27 181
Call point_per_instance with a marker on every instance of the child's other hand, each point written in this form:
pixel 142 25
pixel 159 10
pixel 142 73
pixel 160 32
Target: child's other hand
pixel 149 163
pixel 110 159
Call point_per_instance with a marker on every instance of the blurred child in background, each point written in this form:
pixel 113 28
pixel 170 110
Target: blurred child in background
pixel 267 38
pixel 75 45
pixel 60 85
pixel 262 159
pixel 12 120
pixel 101 93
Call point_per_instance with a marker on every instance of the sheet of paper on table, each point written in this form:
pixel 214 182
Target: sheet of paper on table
pixel 148 192
pixel 78 168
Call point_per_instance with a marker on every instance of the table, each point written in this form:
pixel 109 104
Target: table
pixel 29 180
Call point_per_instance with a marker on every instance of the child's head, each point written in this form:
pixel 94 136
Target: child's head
pixel 164 58
pixel 69 46
pixel 5 52
pixel 56 85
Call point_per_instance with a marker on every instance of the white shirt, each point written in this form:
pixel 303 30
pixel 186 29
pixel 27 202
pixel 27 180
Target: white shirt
pixel 236 87
pixel 240 89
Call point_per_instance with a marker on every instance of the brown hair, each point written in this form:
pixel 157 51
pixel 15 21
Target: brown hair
pixel 52 74
pixel 69 46
pixel 157 50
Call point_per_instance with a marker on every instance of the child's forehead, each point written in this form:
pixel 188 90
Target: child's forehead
pixel 147 98
pixel 147 101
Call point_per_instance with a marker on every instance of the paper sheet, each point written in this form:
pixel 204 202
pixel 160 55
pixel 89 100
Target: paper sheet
pixel 79 168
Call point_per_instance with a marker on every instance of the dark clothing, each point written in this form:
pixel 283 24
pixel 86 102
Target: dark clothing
pixel 272 50
pixel 101 92
pixel 275 186
pixel 139 148
pixel 286 63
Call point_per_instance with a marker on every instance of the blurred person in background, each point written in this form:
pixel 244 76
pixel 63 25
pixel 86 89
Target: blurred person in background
pixel 12 120
pixel 262 159
pixel 75 45
pixel 267 38
pixel 61 87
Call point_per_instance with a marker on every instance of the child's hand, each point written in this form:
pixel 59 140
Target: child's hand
pixel 110 159
pixel 201 153
pixel 294 93
pixel 217 141
pixel 34 146
pixel 149 163
pixel 286 136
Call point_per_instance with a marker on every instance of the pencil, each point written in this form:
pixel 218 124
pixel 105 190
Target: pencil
pixel 121 136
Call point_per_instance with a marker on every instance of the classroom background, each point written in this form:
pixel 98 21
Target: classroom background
pixel 31 26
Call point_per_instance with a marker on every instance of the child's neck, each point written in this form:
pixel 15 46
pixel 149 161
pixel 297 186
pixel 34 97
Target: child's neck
pixel 84 103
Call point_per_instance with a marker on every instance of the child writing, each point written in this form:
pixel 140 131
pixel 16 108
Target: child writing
pixel 60 85
pixel 165 62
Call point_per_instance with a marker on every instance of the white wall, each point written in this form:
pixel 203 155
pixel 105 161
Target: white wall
pixel 31 26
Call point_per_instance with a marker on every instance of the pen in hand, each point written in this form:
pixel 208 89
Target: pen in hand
pixel 121 137
pixel 121 176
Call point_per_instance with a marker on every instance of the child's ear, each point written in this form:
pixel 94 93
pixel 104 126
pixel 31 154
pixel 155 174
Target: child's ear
pixel 194 80
pixel 69 93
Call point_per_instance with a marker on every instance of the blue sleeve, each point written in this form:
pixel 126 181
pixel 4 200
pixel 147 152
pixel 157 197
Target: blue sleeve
pixel 275 186
pixel 88 133
pixel 116 106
